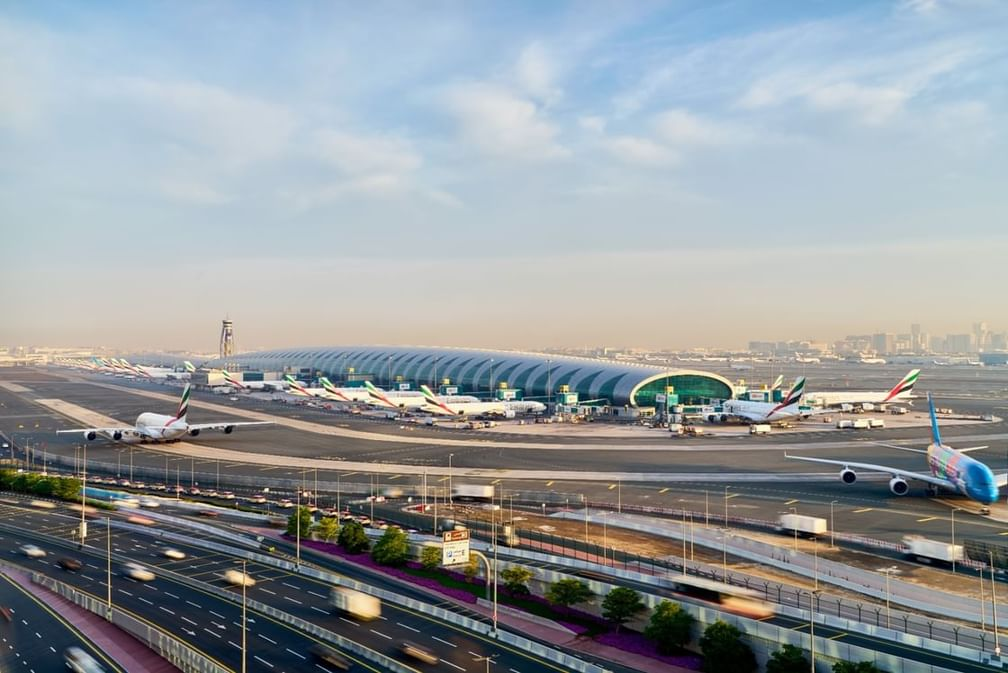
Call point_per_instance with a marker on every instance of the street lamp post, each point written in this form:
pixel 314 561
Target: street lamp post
pixel 108 556
pixel 832 529
pixel 488 659
pixel 83 522
pixel 794 510
pixel 726 508
pixel 812 597
pixel 450 500
pixel 297 528
pixel 997 643
pixel 244 619
pixel 888 572
pixel 953 538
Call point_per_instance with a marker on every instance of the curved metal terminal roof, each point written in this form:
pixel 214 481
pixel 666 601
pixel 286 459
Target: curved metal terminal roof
pixel 617 383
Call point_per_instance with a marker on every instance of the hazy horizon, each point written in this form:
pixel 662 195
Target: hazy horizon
pixel 511 175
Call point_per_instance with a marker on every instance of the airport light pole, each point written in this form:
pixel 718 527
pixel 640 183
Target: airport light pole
pixel 812 596
pixel 832 529
pixel 726 508
pixel 244 619
pixel 83 497
pixel 997 643
pixel 794 510
pixel 953 538
pixel 684 543
pixel 297 528
pixel 108 556
pixel 450 502
pixel 888 571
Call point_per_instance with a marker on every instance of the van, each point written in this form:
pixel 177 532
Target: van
pixel 844 425
pixel 876 423
pixel 861 424
pixel 759 429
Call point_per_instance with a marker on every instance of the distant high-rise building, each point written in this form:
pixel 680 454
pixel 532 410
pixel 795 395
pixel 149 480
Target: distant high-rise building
pixel 980 335
pixel 915 338
pixel 227 341
pixel 959 343
pixel 884 343
pixel 999 341
pixel 938 345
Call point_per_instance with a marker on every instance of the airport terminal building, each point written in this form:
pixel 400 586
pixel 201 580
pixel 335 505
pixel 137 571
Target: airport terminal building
pixel 538 376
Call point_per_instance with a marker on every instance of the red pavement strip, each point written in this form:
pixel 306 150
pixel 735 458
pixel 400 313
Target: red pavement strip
pixel 546 634
pixel 118 645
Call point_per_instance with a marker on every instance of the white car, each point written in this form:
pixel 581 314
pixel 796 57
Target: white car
pixel 31 551
pixel 137 572
pixel 238 578
pixel 150 503
pixel 227 495
pixel 286 503
pixel 79 661
pixel 173 554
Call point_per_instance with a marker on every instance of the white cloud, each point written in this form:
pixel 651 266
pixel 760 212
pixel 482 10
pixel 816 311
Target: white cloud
pixel 681 128
pixel 366 154
pixel 535 73
pixel 499 123
pixel 592 123
pixel 641 151
pixel 872 104
pixel 209 122
pixel 919 6
pixel 194 193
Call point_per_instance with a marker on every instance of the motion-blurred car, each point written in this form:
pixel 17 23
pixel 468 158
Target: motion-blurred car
pixel 68 563
pixel 173 554
pixel 137 572
pixel 238 578
pixel 79 661
pixel 31 551
pixel 327 655
pixel 418 652
pixel 149 503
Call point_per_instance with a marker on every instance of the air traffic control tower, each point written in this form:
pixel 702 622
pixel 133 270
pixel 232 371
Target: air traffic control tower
pixel 227 342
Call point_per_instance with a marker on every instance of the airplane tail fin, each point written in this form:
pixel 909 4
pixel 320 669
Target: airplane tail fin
pixel 295 386
pixel 231 379
pixel 326 383
pixel 795 394
pixel 189 367
pixel 183 407
pixel 935 435
pixel 428 395
pixel 778 382
pixel 905 386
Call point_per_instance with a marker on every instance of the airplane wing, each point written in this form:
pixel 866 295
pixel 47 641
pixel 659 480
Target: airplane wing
pixel 107 433
pixel 972 448
pixel 901 448
pixel 896 472
pixel 222 425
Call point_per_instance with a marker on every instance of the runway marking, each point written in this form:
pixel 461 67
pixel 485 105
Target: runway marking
pixel 664 490
pixel 792 501
pixel 735 495
pixel 926 519
pixel 394 476
pixel 863 510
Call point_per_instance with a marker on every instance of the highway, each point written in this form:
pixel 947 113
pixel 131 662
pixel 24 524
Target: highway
pixel 36 636
pixel 213 625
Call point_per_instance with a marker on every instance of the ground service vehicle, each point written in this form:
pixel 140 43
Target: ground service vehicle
pixel 805 525
pixel 355 603
pixel 861 424
pixel 759 429
pixel 923 549
pixel 419 652
pixel 473 491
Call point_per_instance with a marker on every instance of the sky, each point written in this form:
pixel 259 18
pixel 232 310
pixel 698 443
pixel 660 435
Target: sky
pixel 501 175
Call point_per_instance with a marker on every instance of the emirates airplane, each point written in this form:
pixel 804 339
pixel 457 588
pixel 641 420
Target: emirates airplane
pixel 152 427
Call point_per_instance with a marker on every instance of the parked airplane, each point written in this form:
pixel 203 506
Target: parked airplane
pixel 950 469
pixel 804 360
pixel 152 427
pixel 778 382
pixel 763 412
pixel 901 391
pixel 434 405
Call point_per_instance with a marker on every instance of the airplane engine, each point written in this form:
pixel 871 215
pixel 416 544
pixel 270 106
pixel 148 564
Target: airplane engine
pixel 90 435
pixel 712 418
pixel 898 486
pixel 117 435
pixel 228 429
pixel 724 418
pixel 848 476
pixel 194 432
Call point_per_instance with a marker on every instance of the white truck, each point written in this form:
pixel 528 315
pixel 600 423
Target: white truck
pixel 876 423
pixel 805 525
pixel 861 424
pixel 844 425
pixel 926 550
pixel 473 491
pixel 355 603
pixel 759 429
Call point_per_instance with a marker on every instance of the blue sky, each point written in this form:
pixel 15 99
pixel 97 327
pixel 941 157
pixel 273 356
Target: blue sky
pixel 500 174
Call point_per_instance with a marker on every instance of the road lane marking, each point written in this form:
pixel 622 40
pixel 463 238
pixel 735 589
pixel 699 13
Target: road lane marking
pixel 349 621
pixel 295 653
pixel 215 635
pixel 190 621
pixel 444 641
pixel 379 633
pixel 863 510
pixel 168 593
pixel 263 660
pixel 319 610
pixel 791 502
pixel 292 600
pixel 268 640
pixel 406 626
pixel 272 593
pixel 926 519
pixel 141 598
pixel 452 665
pixel 216 614
pixel 314 593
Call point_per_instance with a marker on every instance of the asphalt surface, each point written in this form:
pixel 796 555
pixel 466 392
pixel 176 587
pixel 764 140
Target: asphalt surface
pixel 213 625
pixel 36 636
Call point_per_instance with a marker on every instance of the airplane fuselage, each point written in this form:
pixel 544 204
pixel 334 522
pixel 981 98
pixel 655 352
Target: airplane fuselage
pixel 759 411
pixel 161 427
pixel 970 477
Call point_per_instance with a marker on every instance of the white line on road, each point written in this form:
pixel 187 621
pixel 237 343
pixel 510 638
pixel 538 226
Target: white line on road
pixel 168 593
pixel 141 598
pixel 238 647
pixel 444 641
pixel 452 665
pixel 379 633
pixel 263 660
pixel 190 621
pixel 325 612
pixel 215 635
pixel 296 654
pixel 272 593
pixel 292 586
pixel 268 640
pixel 215 614
pixel 315 593
pixel 123 591
pixel 349 621
pixel 194 605
pixel 292 600
pixel 405 626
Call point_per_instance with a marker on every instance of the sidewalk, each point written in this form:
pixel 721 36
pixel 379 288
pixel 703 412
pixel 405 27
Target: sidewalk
pixel 121 647
pixel 553 635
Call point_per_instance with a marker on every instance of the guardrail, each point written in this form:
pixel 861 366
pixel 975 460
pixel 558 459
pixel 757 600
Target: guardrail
pixel 167 646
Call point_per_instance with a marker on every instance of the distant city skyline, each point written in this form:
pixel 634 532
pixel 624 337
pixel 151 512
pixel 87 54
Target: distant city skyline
pixel 509 175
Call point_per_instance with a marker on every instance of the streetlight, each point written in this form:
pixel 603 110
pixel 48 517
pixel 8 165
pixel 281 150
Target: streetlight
pixel 726 508
pixel 812 596
pixel 794 510
pixel 832 530
pixel 888 571
pixel 488 659
pixel 953 538
pixel 450 501
pixel 244 619
pixel 83 522
pixel 297 528
pixel 997 644
pixel 108 555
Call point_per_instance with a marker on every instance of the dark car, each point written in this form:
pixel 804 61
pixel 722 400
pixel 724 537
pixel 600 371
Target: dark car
pixel 69 564
pixel 329 656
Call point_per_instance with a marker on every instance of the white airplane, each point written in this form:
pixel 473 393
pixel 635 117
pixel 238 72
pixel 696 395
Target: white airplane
pixel 900 392
pixel 950 469
pixel 764 412
pixel 252 385
pixel 778 382
pixel 152 427
pixel 449 407
pixel 804 360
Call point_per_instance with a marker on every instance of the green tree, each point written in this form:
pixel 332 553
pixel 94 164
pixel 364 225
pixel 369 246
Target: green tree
pixel 856 667
pixel 392 549
pixel 620 605
pixel 327 529
pixel 670 627
pixel 67 488
pixel 788 659
pixel 568 592
pixel 430 556
pixel 302 516
pixel 516 579
pixel 471 568
pixel 353 539
pixel 724 651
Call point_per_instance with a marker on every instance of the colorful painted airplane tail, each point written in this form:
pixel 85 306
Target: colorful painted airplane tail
pixel 935 435
pixel 793 397
pixel 777 384
pixel 232 380
pixel 183 407
pixel 428 395
pixel 188 366
pixel 904 387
